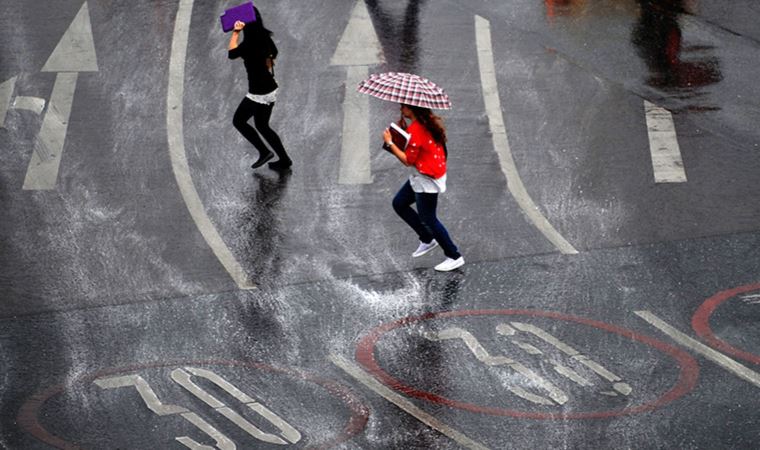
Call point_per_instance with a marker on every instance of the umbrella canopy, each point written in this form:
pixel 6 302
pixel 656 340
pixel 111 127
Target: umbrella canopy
pixel 405 88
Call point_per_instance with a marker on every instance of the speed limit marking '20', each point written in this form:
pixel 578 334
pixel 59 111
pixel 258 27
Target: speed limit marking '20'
pixel 197 404
pixel 526 363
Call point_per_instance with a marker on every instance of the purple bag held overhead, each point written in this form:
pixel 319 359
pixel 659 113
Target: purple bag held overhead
pixel 243 13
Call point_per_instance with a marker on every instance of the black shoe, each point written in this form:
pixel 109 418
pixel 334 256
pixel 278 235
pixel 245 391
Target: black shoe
pixel 280 165
pixel 262 160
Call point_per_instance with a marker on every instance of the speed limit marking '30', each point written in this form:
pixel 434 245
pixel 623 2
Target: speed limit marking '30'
pixel 526 363
pixel 196 404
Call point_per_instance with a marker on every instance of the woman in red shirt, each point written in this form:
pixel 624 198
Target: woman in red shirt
pixel 426 152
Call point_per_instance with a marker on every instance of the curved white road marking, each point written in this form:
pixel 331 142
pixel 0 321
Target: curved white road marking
pixel 174 129
pixel 500 141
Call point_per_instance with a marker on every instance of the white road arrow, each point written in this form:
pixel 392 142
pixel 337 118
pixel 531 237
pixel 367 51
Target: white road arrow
pixel 358 49
pixel 74 53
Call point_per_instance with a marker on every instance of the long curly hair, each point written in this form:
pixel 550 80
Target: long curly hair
pixel 431 122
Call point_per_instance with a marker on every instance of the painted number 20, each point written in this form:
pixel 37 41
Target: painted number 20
pixel 183 377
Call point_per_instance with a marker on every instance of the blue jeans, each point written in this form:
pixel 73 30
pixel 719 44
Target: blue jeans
pixel 424 221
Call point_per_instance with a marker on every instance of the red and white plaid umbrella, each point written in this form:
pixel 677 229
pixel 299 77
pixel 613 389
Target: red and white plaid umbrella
pixel 405 88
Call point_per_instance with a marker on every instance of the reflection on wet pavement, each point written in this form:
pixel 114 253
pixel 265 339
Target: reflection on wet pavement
pixel 400 38
pixel 261 225
pixel 659 41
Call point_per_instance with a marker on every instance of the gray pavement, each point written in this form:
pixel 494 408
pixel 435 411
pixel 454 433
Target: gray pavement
pixel 151 304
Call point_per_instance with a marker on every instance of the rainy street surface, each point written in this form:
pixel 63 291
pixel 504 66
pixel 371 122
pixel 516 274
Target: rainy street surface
pixel 603 187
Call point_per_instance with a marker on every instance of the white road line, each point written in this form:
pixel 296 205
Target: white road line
pixel 42 172
pixel 404 404
pixel 663 145
pixel 501 142
pixel 6 93
pixel 713 355
pixel 180 166
pixel 34 104
pixel 354 154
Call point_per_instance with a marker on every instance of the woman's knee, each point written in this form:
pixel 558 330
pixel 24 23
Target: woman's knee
pixel 262 126
pixel 401 202
pixel 429 219
pixel 398 204
pixel 239 121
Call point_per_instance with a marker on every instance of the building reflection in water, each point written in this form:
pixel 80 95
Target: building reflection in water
pixel 658 39
pixel 399 38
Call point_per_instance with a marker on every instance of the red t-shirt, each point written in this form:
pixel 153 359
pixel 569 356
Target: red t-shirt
pixel 426 154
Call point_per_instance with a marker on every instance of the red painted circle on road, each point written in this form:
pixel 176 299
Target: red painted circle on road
pixel 27 417
pixel 700 322
pixel 687 378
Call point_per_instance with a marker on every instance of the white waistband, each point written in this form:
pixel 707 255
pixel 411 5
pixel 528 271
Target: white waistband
pixel 266 99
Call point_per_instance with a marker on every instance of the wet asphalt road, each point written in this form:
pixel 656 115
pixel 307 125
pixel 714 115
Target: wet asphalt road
pixel 122 327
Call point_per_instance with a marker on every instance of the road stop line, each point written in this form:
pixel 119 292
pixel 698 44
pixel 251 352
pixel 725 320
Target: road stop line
pixel 713 355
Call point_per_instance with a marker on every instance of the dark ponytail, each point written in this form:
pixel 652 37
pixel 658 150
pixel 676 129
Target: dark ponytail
pixel 256 28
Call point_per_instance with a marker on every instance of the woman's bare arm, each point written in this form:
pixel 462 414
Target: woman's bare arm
pixel 235 35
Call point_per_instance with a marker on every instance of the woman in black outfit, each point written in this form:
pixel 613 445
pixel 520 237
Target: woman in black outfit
pixel 258 52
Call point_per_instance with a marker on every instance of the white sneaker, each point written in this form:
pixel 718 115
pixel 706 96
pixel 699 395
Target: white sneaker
pixel 424 248
pixel 450 264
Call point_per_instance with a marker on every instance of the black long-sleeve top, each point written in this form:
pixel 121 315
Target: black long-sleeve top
pixel 255 53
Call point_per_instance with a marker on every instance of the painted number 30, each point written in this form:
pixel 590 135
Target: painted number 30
pixel 183 377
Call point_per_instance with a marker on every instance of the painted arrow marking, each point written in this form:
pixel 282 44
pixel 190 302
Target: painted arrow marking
pixel 6 93
pixel 663 145
pixel 34 104
pixel 358 49
pixel 74 53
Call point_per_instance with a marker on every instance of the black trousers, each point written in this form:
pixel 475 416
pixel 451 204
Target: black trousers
pixel 261 114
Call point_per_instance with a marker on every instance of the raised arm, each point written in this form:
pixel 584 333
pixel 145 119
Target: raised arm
pixel 235 35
